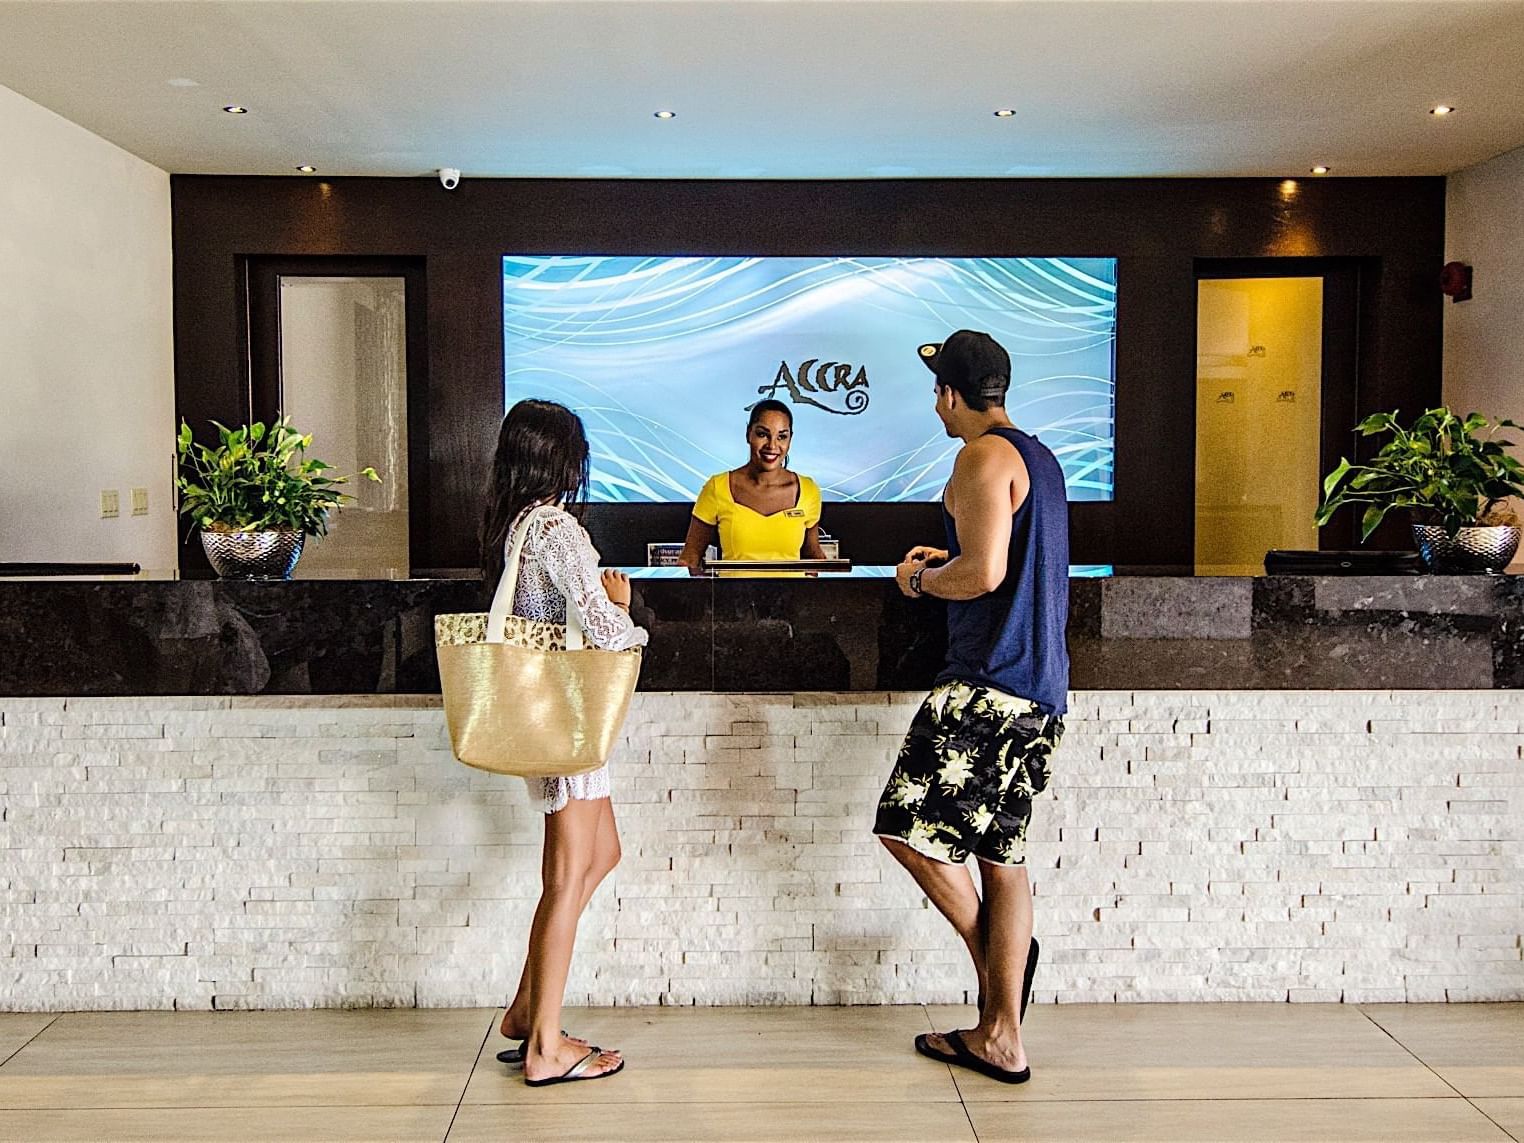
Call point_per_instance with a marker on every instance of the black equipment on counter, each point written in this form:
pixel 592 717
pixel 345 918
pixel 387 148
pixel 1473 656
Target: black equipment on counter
pixel 1357 562
pixel 41 569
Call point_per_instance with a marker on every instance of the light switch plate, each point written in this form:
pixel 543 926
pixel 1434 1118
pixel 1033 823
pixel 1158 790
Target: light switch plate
pixel 111 504
pixel 140 501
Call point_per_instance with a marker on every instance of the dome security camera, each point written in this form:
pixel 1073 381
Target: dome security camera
pixel 449 177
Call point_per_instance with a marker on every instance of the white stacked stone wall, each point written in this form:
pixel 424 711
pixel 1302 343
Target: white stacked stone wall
pixel 264 853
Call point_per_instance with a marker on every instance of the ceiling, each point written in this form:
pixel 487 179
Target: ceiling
pixel 782 88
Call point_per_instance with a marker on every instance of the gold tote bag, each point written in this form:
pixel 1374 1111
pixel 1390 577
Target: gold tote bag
pixel 529 698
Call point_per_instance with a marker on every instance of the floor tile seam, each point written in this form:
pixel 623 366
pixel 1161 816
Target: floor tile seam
pixel 667 1101
pixel 1482 1111
pixel 30 1040
pixel 952 1072
pixel 1227 1099
pixel 229 1107
pixel 1391 1036
pixel 825 1103
pixel 919 1099
pixel 815 1103
pixel 968 1115
pixel 931 1026
pixel 471 1074
pixel 720 1104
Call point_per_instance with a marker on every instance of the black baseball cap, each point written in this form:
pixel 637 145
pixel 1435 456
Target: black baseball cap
pixel 973 363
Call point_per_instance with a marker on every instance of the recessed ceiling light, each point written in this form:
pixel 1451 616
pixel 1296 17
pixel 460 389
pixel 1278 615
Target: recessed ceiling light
pixel 183 83
pixel 234 109
pixel 1320 169
pixel 665 114
pixel 1005 112
pixel 306 169
pixel 1442 109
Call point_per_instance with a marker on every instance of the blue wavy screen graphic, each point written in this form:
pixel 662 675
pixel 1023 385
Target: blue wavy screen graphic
pixel 663 356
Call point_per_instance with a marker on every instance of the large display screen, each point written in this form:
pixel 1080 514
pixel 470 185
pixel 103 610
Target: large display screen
pixel 662 358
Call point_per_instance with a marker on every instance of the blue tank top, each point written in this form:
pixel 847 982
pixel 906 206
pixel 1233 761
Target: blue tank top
pixel 1013 639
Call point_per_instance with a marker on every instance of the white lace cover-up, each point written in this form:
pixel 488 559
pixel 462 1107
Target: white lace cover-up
pixel 560 562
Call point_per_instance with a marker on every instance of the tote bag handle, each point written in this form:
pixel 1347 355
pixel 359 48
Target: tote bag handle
pixel 507 584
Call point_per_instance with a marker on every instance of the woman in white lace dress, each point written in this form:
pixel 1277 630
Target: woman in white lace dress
pixel 542 458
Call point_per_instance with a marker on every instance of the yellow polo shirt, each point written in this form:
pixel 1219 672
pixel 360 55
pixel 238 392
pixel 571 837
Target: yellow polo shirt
pixel 746 534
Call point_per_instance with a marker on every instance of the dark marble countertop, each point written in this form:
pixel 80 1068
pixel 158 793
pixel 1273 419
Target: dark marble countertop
pixel 153 636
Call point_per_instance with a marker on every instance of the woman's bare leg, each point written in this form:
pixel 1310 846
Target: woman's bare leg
pixel 606 850
pixel 571 843
pixel 606 853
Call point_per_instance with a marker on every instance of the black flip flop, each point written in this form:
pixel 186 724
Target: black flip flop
pixel 578 1071
pixel 514 1057
pixel 960 1056
pixel 1026 980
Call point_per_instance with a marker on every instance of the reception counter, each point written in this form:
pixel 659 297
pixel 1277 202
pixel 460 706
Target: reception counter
pixel 211 637
pixel 1299 789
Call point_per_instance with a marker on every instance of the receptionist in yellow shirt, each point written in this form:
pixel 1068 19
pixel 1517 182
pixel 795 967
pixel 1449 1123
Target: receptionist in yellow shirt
pixel 760 511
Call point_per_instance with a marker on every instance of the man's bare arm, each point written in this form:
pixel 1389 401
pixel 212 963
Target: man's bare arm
pixel 981 492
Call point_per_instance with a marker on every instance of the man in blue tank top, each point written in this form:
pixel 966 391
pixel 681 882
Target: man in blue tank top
pixel 977 751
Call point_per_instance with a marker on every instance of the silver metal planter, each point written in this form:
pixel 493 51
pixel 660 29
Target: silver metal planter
pixel 253 555
pixel 1471 550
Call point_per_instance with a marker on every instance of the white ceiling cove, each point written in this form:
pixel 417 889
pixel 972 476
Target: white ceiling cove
pixel 782 88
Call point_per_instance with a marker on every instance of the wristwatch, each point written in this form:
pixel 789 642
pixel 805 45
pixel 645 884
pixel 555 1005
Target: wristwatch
pixel 915 581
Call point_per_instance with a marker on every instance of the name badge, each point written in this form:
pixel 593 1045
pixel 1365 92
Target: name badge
pixel 794 513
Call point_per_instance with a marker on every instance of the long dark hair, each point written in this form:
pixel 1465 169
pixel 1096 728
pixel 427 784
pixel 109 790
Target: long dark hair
pixel 541 454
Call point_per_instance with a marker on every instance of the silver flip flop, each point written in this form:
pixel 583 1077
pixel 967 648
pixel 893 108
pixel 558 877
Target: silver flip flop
pixel 578 1071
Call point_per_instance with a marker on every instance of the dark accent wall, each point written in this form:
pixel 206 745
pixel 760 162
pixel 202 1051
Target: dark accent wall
pixel 1157 228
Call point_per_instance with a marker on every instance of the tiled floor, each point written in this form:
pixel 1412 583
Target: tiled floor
pixel 1106 1072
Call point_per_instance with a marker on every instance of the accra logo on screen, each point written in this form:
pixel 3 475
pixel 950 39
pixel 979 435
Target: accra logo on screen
pixel 816 382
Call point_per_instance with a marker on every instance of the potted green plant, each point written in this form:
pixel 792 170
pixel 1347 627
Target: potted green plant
pixel 257 496
pixel 1455 477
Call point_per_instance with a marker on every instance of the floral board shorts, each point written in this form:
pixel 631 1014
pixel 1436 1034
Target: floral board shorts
pixel 964 782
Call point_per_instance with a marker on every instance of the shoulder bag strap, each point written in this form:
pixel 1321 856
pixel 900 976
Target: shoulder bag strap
pixel 507 584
